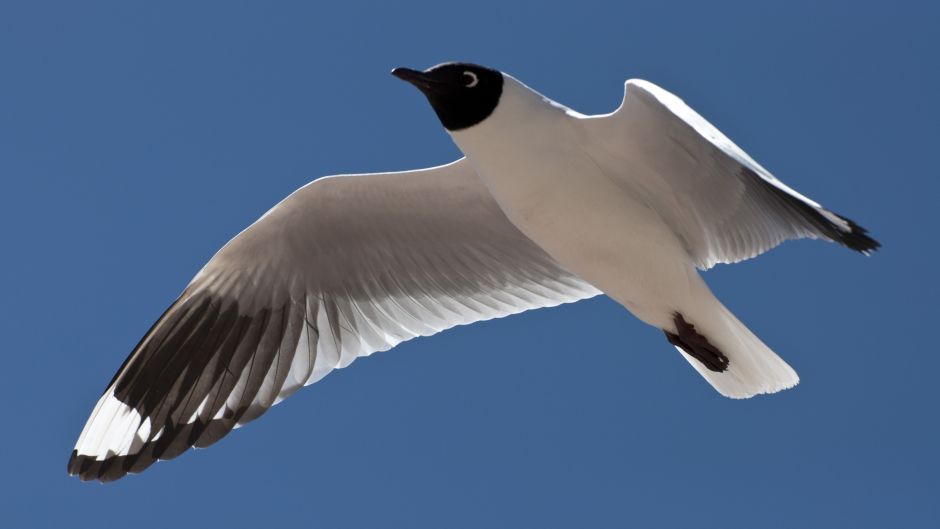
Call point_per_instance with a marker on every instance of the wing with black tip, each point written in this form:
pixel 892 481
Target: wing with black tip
pixel 722 204
pixel 342 268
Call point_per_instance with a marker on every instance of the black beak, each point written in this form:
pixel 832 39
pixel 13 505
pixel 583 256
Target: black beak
pixel 419 79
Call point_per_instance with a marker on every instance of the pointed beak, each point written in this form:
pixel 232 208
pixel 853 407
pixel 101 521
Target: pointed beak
pixel 419 79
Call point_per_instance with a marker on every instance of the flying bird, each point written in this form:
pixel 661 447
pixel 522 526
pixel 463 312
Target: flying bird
pixel 547 206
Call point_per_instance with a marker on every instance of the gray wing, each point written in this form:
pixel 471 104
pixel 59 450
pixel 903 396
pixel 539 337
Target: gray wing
pixel 722 203
pixel 342 268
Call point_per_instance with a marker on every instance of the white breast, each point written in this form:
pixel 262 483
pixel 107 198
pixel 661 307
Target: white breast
pixel 532 156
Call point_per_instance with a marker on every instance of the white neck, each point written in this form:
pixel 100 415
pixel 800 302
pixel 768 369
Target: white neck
pixel 523 116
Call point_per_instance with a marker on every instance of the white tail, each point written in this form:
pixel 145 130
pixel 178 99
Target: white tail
pixel 752 369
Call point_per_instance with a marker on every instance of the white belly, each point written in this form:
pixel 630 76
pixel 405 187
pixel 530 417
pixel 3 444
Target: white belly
pixel 594 228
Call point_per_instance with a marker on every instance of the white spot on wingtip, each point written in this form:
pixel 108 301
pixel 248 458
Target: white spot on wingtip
pixel 199 410
pixel 111 430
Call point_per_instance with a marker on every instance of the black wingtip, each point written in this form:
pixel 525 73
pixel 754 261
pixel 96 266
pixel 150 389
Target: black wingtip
pixel 175 441
pixel 821 221
pixel 112 468
pixel 74 463
pixel 857 238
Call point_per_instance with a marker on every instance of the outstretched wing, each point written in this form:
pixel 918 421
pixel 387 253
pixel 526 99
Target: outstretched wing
pixel 723 204
pixel 342 268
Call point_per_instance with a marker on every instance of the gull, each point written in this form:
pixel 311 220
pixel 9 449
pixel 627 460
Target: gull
pixel 547 206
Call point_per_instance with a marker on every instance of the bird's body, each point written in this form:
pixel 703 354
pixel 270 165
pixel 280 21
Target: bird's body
pixel 548 206
pixel 575 185
pixel 541 163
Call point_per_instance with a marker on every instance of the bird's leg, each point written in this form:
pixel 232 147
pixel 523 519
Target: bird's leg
pixel 696 345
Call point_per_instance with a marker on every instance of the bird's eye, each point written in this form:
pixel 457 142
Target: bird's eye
pixel 470 79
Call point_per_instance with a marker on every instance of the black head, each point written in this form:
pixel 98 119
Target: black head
pixel 461 94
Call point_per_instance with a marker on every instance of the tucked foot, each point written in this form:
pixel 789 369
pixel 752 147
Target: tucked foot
pixel 696 345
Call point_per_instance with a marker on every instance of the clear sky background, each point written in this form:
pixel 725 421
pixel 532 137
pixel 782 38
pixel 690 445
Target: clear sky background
pixel 137 139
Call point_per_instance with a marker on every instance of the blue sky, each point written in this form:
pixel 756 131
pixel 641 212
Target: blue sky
pixel 136 139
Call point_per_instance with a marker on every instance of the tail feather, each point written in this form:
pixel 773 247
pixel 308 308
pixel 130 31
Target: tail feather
pixel 752 368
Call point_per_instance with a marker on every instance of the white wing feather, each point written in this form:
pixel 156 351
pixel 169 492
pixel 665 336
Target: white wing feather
pixel 725 206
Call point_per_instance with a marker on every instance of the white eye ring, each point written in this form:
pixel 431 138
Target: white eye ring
pixel 473 79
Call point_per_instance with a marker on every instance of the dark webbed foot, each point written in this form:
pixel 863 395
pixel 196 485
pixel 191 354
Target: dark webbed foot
pixel 696 345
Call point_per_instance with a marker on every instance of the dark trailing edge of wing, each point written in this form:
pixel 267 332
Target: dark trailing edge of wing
pixel 856 238
pixel 198 434
pixel 198 351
